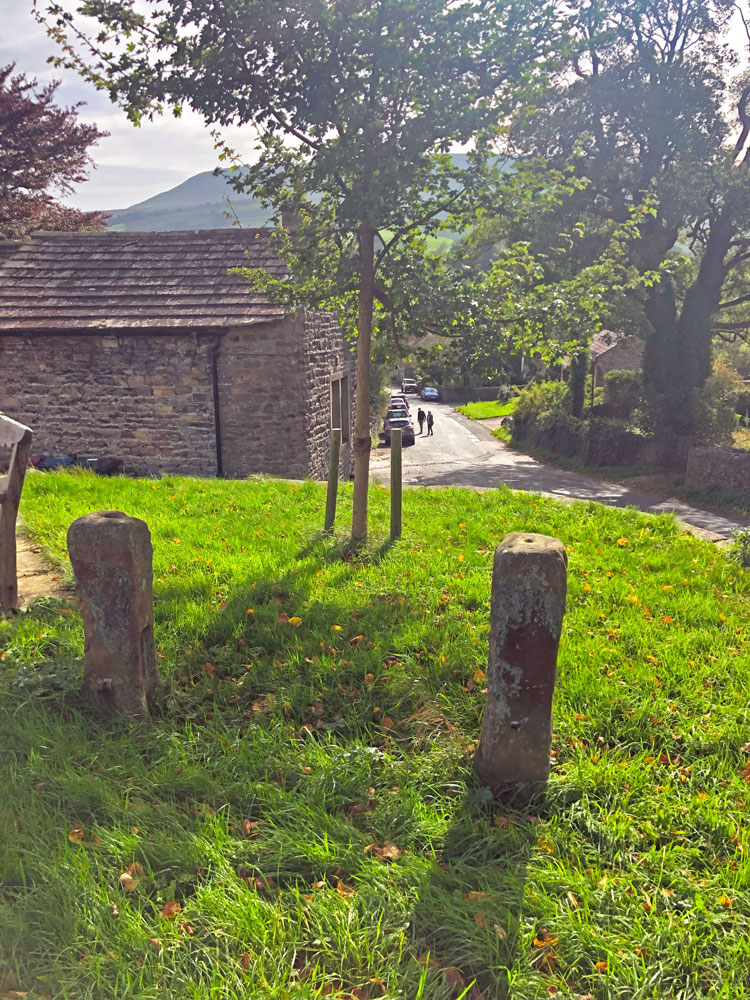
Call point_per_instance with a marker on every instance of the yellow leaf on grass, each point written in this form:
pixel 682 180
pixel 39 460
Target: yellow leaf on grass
pixel 726 902
pixel 128 882
pixel 170 909
pixel 75 836
pixel 344 890
pixel 295 620
pixel 336 628
pixel 601 966
pixel 474 895
pixel 356 639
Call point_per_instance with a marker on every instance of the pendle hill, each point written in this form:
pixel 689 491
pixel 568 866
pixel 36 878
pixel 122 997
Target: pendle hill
pixel 204 201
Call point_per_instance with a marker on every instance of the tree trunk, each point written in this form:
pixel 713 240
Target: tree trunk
pixel 677 360
pixel 362 442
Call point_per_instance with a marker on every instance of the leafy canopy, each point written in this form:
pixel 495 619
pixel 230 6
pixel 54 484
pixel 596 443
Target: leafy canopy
pixel 44 151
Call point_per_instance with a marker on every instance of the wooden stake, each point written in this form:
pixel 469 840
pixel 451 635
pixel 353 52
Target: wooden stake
pixel 333 478
pixel 17 437
pixel 396 483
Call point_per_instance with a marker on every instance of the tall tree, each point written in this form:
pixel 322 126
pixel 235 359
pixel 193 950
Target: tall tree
pixel 645 114
pixel 44 151
pixel 353 100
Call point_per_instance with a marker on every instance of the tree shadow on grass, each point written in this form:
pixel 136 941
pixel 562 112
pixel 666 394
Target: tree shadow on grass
pixel 300 724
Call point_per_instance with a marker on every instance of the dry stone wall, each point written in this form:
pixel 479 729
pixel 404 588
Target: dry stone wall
pixel 727 467
pixel 146 399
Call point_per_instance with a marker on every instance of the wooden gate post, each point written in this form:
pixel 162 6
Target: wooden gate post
pixel 396 483
pixel 333 478
pixel 17 437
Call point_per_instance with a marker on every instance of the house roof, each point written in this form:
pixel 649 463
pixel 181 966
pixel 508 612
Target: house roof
pixel 604 341
pixel 92 281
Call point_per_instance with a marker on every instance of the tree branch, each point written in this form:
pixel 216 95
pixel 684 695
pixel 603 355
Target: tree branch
pixel 416 224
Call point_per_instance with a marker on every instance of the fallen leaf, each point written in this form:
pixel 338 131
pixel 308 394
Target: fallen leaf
pixel 250 828
pixel 113 911
pixel 295 620
pixel 128 882
pixel 572 900
pixel 600 966
pixel 245 960
pixel 282 618
pixel 387 722
pixel 502 935
pixel 388 852
pixel 318 709
pixel 369 679
pixel 137 869
pixel 545 940
pixel 336 628
pixel 209 669
pixel 155 943
pixel 480 919
pixel 170 909
pixel 345 890
pixel 356 639
pixel 75 836
pixel 726 901
pixel 452 977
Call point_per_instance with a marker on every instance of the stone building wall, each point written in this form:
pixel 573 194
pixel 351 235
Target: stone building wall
pixel 146 399
pixel 727 467
pixel 626 355
pixel 149 398
pixel 327 354
pixel 262 400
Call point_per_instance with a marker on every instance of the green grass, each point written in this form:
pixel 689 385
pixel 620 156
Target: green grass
pixel 489 408
pixel 632 881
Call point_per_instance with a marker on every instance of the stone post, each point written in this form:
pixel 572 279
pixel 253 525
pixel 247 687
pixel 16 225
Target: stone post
pixel 529 583
pixel 111 555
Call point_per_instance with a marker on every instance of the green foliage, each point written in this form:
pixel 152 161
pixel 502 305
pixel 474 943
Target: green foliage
pixel 741 546
pixel 623 392
pixel 718 404
pixel 538 399
pixel 327 744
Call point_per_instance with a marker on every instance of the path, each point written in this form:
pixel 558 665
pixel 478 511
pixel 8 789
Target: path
pixel 463 453
pixel 36 578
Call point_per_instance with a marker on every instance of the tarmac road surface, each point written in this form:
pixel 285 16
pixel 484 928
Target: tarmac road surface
pixel 462 452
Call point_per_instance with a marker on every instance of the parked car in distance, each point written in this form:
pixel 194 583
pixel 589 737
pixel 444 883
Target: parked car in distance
pixel 404 424
pixel 409 385
pixel 400 398
pixel 396 412
pixel 430 393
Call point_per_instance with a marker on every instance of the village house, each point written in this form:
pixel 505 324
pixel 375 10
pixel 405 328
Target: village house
pixel 142 347
pixel 611 351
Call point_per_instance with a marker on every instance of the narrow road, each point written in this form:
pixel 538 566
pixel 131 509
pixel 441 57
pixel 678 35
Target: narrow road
pixel 462 452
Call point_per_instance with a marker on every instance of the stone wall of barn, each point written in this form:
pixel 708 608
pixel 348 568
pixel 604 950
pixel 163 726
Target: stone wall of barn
pixel 146 399
pixel 275 390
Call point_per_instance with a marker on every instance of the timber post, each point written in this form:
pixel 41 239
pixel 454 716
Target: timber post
pixel 333 478
pixel 17 437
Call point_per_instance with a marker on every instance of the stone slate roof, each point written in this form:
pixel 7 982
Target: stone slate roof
pixel 604 341
pixel 70 282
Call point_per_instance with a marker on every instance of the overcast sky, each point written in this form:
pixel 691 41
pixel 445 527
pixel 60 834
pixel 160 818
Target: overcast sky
pixel 132 163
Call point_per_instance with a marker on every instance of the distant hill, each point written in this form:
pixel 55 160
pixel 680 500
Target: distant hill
pixel 200 202
pixel 205 201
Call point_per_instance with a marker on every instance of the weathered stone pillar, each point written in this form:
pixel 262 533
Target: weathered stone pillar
pixel 112 555
pixel 529 583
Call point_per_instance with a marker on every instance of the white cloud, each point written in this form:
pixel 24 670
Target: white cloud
pixel 132 163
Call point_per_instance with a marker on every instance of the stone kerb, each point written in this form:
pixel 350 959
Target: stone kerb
pixel 112 558
pixel 529 584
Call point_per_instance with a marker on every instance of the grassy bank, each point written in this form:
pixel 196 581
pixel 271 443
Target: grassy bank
pixel 301 818
pixel 487 409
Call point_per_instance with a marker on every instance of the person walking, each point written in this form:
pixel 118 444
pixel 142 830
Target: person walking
pixel 430 422
pixel 421 418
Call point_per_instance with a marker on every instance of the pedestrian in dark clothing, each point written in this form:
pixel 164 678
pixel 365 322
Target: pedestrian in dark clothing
pixel 430 422
pixel 421 419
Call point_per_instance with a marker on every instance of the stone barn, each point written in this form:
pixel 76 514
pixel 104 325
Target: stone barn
pixel 612 351
pixel 141 346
